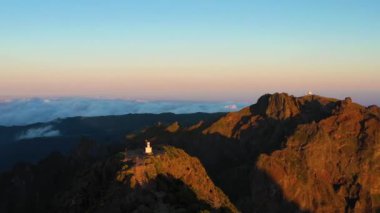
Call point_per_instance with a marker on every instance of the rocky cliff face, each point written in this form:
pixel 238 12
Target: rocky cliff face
pixel 271 110
pixel 319 153
pixel 332 165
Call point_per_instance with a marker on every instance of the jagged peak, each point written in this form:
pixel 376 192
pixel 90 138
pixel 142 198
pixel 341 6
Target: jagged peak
pixel 279 106
pixel 374 110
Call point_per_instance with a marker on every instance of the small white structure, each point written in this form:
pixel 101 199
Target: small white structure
pixel 310 93
pixel 148 148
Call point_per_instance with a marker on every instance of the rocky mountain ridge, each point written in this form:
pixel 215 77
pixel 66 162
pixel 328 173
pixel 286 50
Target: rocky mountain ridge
pixel 309 153
pixel 282 154
pixel 167 181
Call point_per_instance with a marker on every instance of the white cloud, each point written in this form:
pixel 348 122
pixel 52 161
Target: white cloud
pixel 46 131
pixel 231 107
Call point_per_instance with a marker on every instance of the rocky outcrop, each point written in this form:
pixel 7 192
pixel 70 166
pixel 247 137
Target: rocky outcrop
pixel 175 164
pixel 268 112
pixel 279 106
pixel 168 181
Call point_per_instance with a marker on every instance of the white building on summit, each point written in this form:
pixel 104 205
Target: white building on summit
pixel 148 148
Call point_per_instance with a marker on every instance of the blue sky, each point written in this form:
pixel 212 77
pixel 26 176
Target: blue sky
pixel 197 50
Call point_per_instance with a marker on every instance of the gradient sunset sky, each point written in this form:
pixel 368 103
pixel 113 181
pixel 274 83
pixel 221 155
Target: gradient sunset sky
pixel 190 50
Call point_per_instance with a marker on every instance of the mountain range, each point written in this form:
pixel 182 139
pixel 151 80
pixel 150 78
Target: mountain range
pixel 281 154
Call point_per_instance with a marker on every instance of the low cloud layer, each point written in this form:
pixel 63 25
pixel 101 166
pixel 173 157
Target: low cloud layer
pixel 46 131
pixel 231 107
pixel 27 111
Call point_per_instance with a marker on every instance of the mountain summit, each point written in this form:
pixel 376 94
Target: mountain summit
pixel 273 109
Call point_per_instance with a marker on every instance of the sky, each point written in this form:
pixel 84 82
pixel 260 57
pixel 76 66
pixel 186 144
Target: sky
pixel 204 50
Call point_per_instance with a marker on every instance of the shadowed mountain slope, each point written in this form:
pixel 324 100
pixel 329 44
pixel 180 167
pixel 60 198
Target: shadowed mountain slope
pixel 168 181
pixel 35 146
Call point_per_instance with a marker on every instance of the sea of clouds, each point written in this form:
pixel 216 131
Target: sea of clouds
pixel 33 110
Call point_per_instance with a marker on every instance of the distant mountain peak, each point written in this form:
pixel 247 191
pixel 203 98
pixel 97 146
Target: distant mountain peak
pixel 277 106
